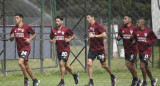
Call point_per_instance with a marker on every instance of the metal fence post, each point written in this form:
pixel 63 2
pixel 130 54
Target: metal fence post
pixel 54 24
pixel 4 37
pixel 109 31
pixel 85 35
pixel 41 36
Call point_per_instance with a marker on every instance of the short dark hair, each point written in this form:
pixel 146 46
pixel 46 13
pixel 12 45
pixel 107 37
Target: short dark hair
pixel 130 16
pixel 91 14
pixel 20 15
pixel 59 17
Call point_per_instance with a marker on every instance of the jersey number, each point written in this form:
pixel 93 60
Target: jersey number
pixel 145 57
pixel 24 53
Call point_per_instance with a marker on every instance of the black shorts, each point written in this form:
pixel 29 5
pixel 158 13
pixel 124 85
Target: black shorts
pixel 24 54
pixel 144 58
pixel 130 57
pixel 63 56
pixel 100 54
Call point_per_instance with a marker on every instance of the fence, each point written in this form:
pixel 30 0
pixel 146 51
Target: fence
pixel 40 15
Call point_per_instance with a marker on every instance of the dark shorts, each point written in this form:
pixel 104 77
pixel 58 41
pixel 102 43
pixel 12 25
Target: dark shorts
pixel 130 57
pixel 24 54
pixel 63 56
pixel 144 58
pixel 99 54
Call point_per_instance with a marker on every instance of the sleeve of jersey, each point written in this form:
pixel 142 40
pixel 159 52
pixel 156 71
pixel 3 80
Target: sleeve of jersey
pixel 153 37
pixel 101 29
pixel 51 35
pixel 70 32
pixel 30 30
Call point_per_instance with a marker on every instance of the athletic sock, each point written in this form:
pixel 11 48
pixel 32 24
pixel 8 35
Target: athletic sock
pixel 62 80
pixel 91 80
pixel 134 78
pixel 112 75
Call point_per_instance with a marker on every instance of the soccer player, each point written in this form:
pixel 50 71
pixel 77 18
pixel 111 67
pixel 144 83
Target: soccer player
pixel 21 33
pixel 145 37
pixel 131 50
pixel 96 49
pixel 60 35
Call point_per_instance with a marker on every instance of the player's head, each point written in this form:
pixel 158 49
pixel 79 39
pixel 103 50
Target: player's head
pixel 18 18
pixel 140 23
pixel 127 19
pixel 90 17
pixel 59 21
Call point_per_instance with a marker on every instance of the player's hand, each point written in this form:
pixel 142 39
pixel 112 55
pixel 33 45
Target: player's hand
pixel 119 38
pixel 67 40
pixel 53 40
pixel 91 35
pixel 87 39
pixel 134 41
pixel 27 40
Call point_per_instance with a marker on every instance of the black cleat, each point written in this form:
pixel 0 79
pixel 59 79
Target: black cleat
pixel 113 79
pixel 90 84
pixel 26 82
pixel 144 83
pixel 153 82
pixel 36 82
pixel 61 84
pixel 134 82
pixel 76 78
pixel 139 82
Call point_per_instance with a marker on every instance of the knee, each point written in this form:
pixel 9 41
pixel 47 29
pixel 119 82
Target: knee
pixel 62 64
pixel 104 66
pixel 89 64
pixel 20 63
pixel 128 64
pixel 142 67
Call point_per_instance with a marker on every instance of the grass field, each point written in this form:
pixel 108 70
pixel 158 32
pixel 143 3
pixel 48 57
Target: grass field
pixel 51 76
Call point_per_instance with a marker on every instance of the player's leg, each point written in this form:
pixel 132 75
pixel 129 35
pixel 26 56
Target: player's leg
pixel 143 67
pixel 29 71
pixel 101 56
pixel 62 68
pixel 22 66
pixel 91 57
pixel 75 76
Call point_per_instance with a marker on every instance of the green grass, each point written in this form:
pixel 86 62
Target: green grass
pixel 51 76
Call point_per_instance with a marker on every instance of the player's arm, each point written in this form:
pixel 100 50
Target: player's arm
pixel 11 37
pixel 102 35
pixel 31 38
pixel 119 35
pixel 153 38
pixel 52 39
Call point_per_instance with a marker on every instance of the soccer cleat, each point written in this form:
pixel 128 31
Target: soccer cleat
pixel 139 82
pixel 90 84
pixel 76 78
pixel 36 82
pixel 26 82
pixel 61 84
pixel 134 82
pixel 113 79
pixel 144 83
pixel 153 82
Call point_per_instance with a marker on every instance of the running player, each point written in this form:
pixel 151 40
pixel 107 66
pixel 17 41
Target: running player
pixel 96 49
pixel 145 37
pixel 60 36
pixel 131 50
pixel 21 33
